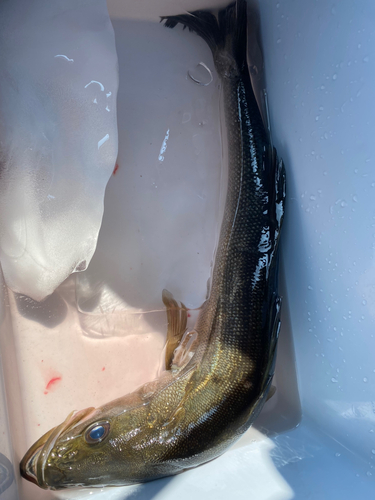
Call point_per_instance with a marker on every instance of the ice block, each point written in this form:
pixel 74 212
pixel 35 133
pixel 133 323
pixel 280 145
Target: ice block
pixel 58 137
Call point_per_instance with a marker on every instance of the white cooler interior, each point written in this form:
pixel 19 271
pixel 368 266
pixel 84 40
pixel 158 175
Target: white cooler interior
pixel 91 341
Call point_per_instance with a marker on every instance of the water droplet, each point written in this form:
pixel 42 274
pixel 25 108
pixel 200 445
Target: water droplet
pixel 364 302
pixel 334 77
pixel 368 473
pixel 312 198
pixel 186 117
pixel 365 379
pixel 277 5
pixel 322 87
pixel 373 451
pixel 309 287
pixel 334 380
pixel 337 454
pixel 366 59
pixel 278 40
pixel 201 74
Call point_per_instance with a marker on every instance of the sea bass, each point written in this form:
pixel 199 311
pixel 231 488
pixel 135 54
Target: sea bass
pixel 218 375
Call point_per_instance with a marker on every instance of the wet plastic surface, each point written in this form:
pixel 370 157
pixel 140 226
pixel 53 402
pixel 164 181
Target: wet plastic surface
pixel 319 67
pixel 327 245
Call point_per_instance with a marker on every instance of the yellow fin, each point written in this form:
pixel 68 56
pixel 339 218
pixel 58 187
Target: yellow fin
pixel 271 392
pixel 185 350
pixel 177 321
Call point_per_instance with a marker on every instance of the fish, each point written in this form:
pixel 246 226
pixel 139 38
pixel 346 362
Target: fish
pixel 218 374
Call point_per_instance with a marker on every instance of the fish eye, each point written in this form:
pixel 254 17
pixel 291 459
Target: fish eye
pixel 97 432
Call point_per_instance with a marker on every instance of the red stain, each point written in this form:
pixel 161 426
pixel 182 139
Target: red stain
pixel 115 169
pixel 189 315
pixel 52 382
pixel 38 425
pixel 45 392
pixel 103 368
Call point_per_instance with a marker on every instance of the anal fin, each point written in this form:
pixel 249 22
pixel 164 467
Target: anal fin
pixel 177 321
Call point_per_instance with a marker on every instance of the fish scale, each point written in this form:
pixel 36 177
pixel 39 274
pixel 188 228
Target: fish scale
pixel 197 409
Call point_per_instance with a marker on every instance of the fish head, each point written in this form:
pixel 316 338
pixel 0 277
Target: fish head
pixel 87 449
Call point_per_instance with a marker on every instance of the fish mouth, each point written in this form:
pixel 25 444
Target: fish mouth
pixel 32 466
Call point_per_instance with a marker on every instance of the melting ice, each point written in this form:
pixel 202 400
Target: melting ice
pixel 58 137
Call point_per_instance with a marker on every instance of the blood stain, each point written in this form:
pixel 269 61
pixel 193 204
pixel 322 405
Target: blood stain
pixel 189 315
pixel 103 368
pixel 115 169
pixel 52 382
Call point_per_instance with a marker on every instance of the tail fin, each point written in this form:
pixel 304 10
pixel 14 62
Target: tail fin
pixel 226 32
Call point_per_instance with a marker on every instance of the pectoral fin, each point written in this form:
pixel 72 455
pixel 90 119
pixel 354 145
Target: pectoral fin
pixel 177 321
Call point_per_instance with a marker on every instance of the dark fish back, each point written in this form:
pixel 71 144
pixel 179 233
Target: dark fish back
pixel 239 322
